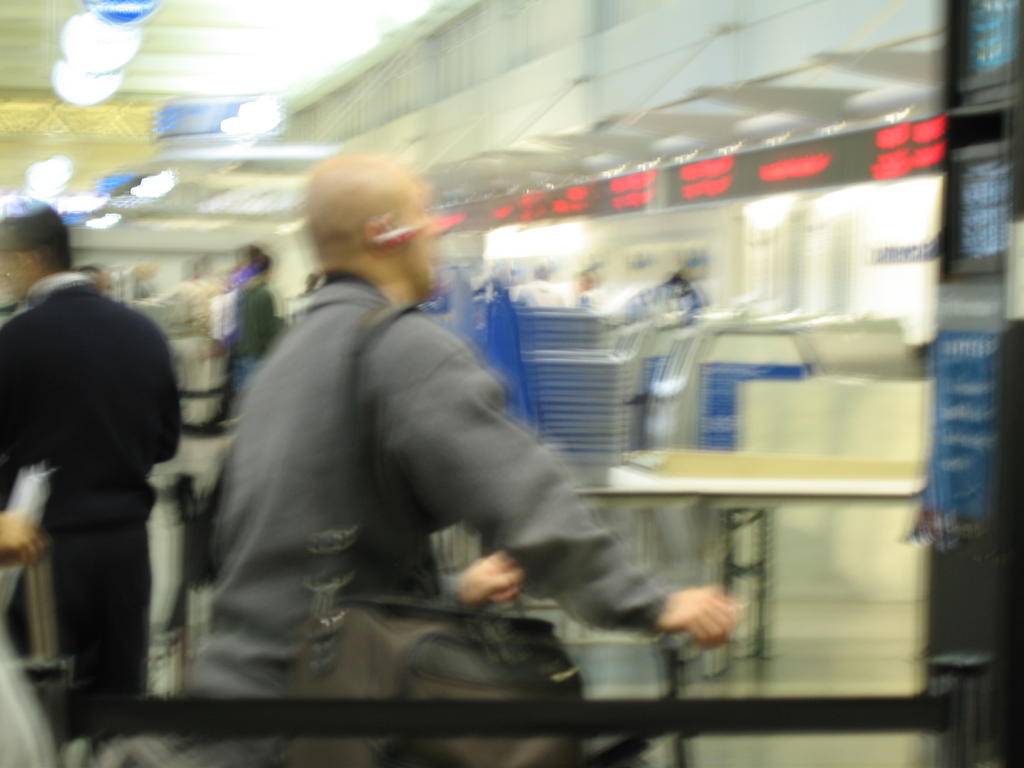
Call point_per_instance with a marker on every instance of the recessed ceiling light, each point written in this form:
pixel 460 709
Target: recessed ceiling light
pixel 93 46
pixel 82 88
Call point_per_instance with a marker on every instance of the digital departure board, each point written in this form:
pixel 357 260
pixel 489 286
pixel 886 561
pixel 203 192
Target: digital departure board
pixel 980 189
pixel 882 154
pixel 622 194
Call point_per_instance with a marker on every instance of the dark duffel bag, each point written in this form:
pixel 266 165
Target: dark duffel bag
pixel 392 649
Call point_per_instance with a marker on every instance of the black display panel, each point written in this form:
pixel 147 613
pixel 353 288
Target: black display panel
pixel 988 43
pixel 881 154
pixel 622 194
pixel 980 209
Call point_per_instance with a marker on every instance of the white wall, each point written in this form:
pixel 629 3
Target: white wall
pixel 175 250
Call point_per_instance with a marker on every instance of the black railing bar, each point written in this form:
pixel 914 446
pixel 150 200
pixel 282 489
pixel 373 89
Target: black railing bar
pixel 241 718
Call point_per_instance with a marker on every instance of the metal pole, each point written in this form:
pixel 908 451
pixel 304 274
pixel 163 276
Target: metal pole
pixel 961 676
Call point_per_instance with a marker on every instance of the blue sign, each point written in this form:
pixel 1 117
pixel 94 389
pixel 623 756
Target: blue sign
pixel 108 185
pixel 992 34
pixel 907 254
pixel 719 395
pixel 196 118
pixel 122 11
pixel 965 367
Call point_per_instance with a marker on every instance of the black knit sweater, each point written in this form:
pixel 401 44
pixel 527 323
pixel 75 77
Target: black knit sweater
pixel 87 386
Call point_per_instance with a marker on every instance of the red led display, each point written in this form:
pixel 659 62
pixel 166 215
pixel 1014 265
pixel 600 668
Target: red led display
pixel 707 169
pixel 634 182
pixel 708 178
pixel 709 188
pixel 892 152
pixel 632 192
pixel 906 153
pixel 535 206
pixel 633 200
pixel 796 167
pixel 446 223
pixel 890 138
pixel 931 130
pixel 926 157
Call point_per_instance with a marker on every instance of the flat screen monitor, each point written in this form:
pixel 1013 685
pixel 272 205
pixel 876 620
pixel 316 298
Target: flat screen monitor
pixel 980 209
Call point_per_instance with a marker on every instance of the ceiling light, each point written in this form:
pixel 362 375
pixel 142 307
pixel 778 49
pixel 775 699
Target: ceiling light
pixel 153 187
pixel 769 124
pixel 48 178
pixel 255 118
pixel 82 88
pixel 291 227
pixel 90 45
pixel 104 222
pixel 898 117
pixel 122 11
pixel 83 202
pixel 343 33
pixel 404 11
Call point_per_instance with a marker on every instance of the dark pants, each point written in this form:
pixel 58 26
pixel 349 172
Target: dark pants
pixel 101 581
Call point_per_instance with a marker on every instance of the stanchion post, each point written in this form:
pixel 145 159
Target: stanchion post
pixel 961 676
pixel 51 680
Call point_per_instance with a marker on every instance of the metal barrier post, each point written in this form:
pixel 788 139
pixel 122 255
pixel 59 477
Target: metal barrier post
pixel 961 676
pixel 51 681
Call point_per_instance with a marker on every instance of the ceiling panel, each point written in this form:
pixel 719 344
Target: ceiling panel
pixel 193 48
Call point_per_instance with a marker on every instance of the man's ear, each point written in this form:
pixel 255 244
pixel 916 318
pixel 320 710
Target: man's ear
pixel 376 227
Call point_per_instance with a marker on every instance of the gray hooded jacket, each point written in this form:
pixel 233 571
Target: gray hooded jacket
pixel 452 456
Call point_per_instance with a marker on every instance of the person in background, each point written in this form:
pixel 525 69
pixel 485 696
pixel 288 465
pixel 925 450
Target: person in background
pixel 541 292
pixel 590 294
pixel 258 320
pixel 101 279
pixel 682 295
pixel 86 387
pixel 298 305
pixel 201 367
pixel 142 277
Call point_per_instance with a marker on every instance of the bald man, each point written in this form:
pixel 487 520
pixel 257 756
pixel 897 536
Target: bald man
pixel 448 453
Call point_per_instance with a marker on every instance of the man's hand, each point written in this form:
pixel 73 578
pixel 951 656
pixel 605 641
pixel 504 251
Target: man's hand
pixel 494 579
pixel 707 614
pixel 21 543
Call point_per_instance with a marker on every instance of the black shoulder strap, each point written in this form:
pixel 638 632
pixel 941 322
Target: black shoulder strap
pixel 370 327
pixel 371 485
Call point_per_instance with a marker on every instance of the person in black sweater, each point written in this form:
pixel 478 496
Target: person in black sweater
pixel 87 387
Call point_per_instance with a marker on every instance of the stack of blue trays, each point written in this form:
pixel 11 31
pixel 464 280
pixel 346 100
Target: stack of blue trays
pixel 561 329
pixel 581 388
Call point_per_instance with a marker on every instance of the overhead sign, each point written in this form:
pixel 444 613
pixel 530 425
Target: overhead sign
pixel 236 116
pixel 885 154
pixel 122 11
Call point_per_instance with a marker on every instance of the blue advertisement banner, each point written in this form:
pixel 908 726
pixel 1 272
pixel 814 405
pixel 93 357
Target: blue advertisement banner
pixel 965 366
pixel 719 398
